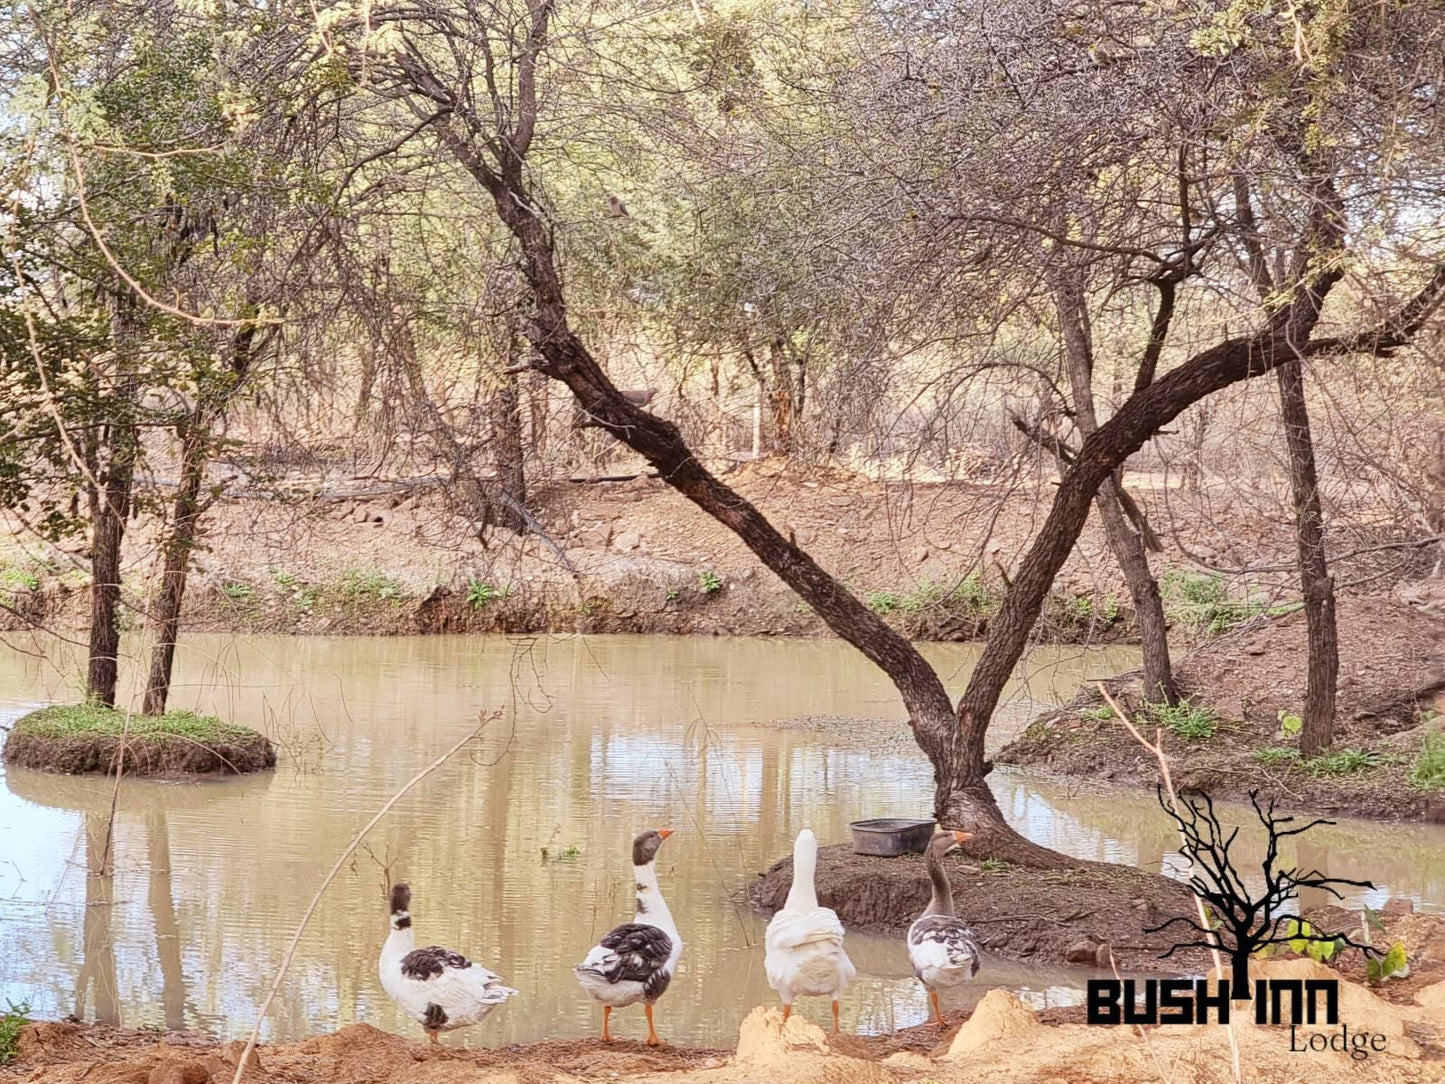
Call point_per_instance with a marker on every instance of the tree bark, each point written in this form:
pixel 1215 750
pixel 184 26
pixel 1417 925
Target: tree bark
pixel 1127 545
pixel 109 499
pixel 176 559
pixel 506 419
pixel 1322 635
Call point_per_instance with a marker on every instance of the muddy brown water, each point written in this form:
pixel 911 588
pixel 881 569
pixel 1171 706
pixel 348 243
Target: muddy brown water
pixel 517 850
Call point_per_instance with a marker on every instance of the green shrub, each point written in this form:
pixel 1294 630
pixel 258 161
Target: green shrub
pixel 1201 602
pixel 1102 714
pixel 975 594
pixel 369 583
pixel 884 602
pixel 237 592
pixel 1185 719
pixel 1429 771
pixel 11 1021
pixel 1341 762
pixel 17 579
pixel 480 594
pixel 282 579
pixel 710 582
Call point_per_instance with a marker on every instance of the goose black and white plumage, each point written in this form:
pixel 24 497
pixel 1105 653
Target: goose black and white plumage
pixel 941 947
pixel 441 990
pixel 804 942
pixel 636 961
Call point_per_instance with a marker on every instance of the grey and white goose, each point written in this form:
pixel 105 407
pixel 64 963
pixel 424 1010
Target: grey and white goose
pixel 636 961
pixel 441 990
pixel 941 947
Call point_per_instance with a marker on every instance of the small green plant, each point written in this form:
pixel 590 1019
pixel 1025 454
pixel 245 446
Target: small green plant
pixel 1304 940
pixel 1192 722
pixel 237 592
pixel 1039 730
pixel 566 854
pixel 17 579
pixel 1202 602
pixel 884 602
pixel 1392 965
pixel 282 579
pixel 1102 714
pixel 995 865
pixel 1289 723
pixel 1429 771
pixel 1274 754
pixel 11 1021
pixel 710 582
pixel 672 594
pixel 1341 762
pixel 975 595
pixel 368 583
pixel 481 594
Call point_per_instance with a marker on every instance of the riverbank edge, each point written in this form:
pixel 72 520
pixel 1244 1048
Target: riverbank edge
pixel 674 603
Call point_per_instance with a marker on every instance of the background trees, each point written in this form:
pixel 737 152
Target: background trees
pixel 968 241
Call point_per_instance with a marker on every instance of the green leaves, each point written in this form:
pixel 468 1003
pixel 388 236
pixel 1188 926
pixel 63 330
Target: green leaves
pixel 1392 965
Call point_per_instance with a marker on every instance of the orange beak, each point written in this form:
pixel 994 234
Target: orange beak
pixel 665 832
pixel 962 837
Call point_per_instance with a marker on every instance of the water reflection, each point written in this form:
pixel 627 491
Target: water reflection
pixel 516 851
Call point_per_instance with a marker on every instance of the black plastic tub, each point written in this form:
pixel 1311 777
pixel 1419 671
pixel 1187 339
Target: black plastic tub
pixel 891 836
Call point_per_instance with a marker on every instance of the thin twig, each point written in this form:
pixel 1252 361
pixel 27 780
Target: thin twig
pixel 115 794
pixel 326 883
pixel 1157 748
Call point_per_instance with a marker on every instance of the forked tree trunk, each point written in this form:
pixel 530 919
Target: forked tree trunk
pixel 954 743
pixel 175 567
pixel 1323 641
pixel 1126 544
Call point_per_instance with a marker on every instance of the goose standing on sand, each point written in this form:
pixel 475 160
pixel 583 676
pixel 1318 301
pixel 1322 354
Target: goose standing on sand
pixel 804 942
pixel 439 989
pixel 941 947
pixel 637 960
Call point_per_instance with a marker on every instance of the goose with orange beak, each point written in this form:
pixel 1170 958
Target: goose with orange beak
pixel 941 947
pixel 636 961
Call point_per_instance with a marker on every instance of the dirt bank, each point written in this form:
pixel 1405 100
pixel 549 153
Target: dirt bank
pixel 82 738
pixel 1064 916
pixel 1244 686
pixel 634 556
pixel 1001 1040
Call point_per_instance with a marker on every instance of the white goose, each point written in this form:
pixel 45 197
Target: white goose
pixel 804 942
pixel 636 961
pixel 439 989
pixel 941 947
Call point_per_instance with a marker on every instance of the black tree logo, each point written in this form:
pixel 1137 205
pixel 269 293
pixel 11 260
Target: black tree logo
pixel 1245 919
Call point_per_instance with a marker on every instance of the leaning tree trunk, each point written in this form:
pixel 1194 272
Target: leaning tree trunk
pixel 1323 641
pixel 1126 544
pixel 954 744
pixel 176 561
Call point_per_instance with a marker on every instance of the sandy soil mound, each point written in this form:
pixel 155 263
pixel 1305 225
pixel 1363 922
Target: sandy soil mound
pixel 1002 1041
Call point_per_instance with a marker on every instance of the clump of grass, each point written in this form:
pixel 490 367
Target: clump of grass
pixel 17 579
pixel 237 592
pixel 367 583
pixel 283 579
pixel 68 720
pixel 1039 730
pixel 481 594
pixel 1187 720
pixel 995 865
pixel 884 602
pixel 1341 762
pixel 1274 754
pixel 1201 602
pixel 11 1021
pixel 710 582
pixel 1102 714
pixel 1429 771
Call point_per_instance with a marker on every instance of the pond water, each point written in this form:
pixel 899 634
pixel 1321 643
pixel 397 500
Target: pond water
pixel 517 850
